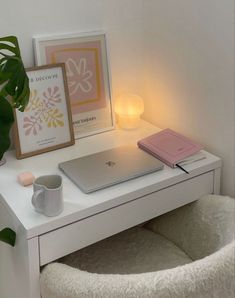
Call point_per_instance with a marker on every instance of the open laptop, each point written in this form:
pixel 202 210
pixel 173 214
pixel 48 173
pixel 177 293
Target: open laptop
pixel 106 168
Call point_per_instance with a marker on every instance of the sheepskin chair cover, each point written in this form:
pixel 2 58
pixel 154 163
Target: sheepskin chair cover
pixel 186 253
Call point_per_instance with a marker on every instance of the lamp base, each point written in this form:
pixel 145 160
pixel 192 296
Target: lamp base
pixel 128 122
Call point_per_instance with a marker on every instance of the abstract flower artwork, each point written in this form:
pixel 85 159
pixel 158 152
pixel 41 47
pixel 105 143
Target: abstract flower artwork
pixel 84 73
pixel 85 58
pixel 79 76
pixel 46 123
pixel 42 111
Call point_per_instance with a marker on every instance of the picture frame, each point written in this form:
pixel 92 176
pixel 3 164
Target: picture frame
pixel 87 69
pixel 46 123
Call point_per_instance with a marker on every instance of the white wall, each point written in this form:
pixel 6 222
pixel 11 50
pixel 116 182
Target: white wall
pixel 177 54
pixel 189 73
pixel 122 20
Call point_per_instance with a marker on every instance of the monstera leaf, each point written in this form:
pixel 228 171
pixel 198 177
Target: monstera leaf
pixel 7 235
pixel 6 121
pixel 14 87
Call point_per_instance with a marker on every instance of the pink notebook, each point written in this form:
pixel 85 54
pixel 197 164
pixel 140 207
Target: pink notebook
pixel 169 146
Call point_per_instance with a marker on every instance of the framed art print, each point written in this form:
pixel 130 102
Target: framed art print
pixel 46 123
pixel 85 57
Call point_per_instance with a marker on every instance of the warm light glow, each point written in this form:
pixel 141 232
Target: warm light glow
pixel 129 107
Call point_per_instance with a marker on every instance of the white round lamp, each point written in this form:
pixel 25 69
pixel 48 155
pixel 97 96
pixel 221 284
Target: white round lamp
pixel 129 107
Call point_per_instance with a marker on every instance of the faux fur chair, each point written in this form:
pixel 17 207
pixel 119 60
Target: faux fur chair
pixel 186 253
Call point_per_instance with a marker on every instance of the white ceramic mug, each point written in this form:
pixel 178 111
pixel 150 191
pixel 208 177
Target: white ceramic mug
pixel 48 197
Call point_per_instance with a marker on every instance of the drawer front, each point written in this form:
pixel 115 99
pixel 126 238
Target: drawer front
pixel 70 238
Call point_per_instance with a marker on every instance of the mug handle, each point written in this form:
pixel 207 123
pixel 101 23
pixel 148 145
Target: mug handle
pixel 35 198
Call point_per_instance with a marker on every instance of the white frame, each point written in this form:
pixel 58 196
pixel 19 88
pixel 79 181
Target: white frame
pixel 40 43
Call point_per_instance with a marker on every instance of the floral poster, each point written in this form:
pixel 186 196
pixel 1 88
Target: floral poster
pixel 45 123
pixel 85 58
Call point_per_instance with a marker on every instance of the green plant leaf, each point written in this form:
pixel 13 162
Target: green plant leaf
pixel 14 87
pixel 14 47
pixel 21 100
pixel 11 65
pixel 7 47
pixel 6 121
pixel 8 236
pixel 17 85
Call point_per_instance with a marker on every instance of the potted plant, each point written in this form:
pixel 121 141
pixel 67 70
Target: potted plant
pixel 14 88
pixel 14 94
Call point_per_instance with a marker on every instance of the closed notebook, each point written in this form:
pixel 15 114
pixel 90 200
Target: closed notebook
pixel 169 146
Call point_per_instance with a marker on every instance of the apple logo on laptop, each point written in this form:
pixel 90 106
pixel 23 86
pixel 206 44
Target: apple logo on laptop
pixel 110 163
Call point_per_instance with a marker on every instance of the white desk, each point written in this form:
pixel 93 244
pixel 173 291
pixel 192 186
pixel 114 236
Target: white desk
pixel 86 218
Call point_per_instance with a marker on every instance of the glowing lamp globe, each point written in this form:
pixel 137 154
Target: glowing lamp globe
pixel 129 107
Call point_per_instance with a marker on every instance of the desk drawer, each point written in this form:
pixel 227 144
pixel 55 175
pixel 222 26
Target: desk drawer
pixel 65 240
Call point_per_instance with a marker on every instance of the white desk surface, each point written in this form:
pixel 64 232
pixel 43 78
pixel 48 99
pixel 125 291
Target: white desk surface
pixel 78 205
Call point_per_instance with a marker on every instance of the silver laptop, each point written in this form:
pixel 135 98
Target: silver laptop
pixel 106 168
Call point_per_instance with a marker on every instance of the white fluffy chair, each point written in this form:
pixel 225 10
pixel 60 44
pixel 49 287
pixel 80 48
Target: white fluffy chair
pixel 187 253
